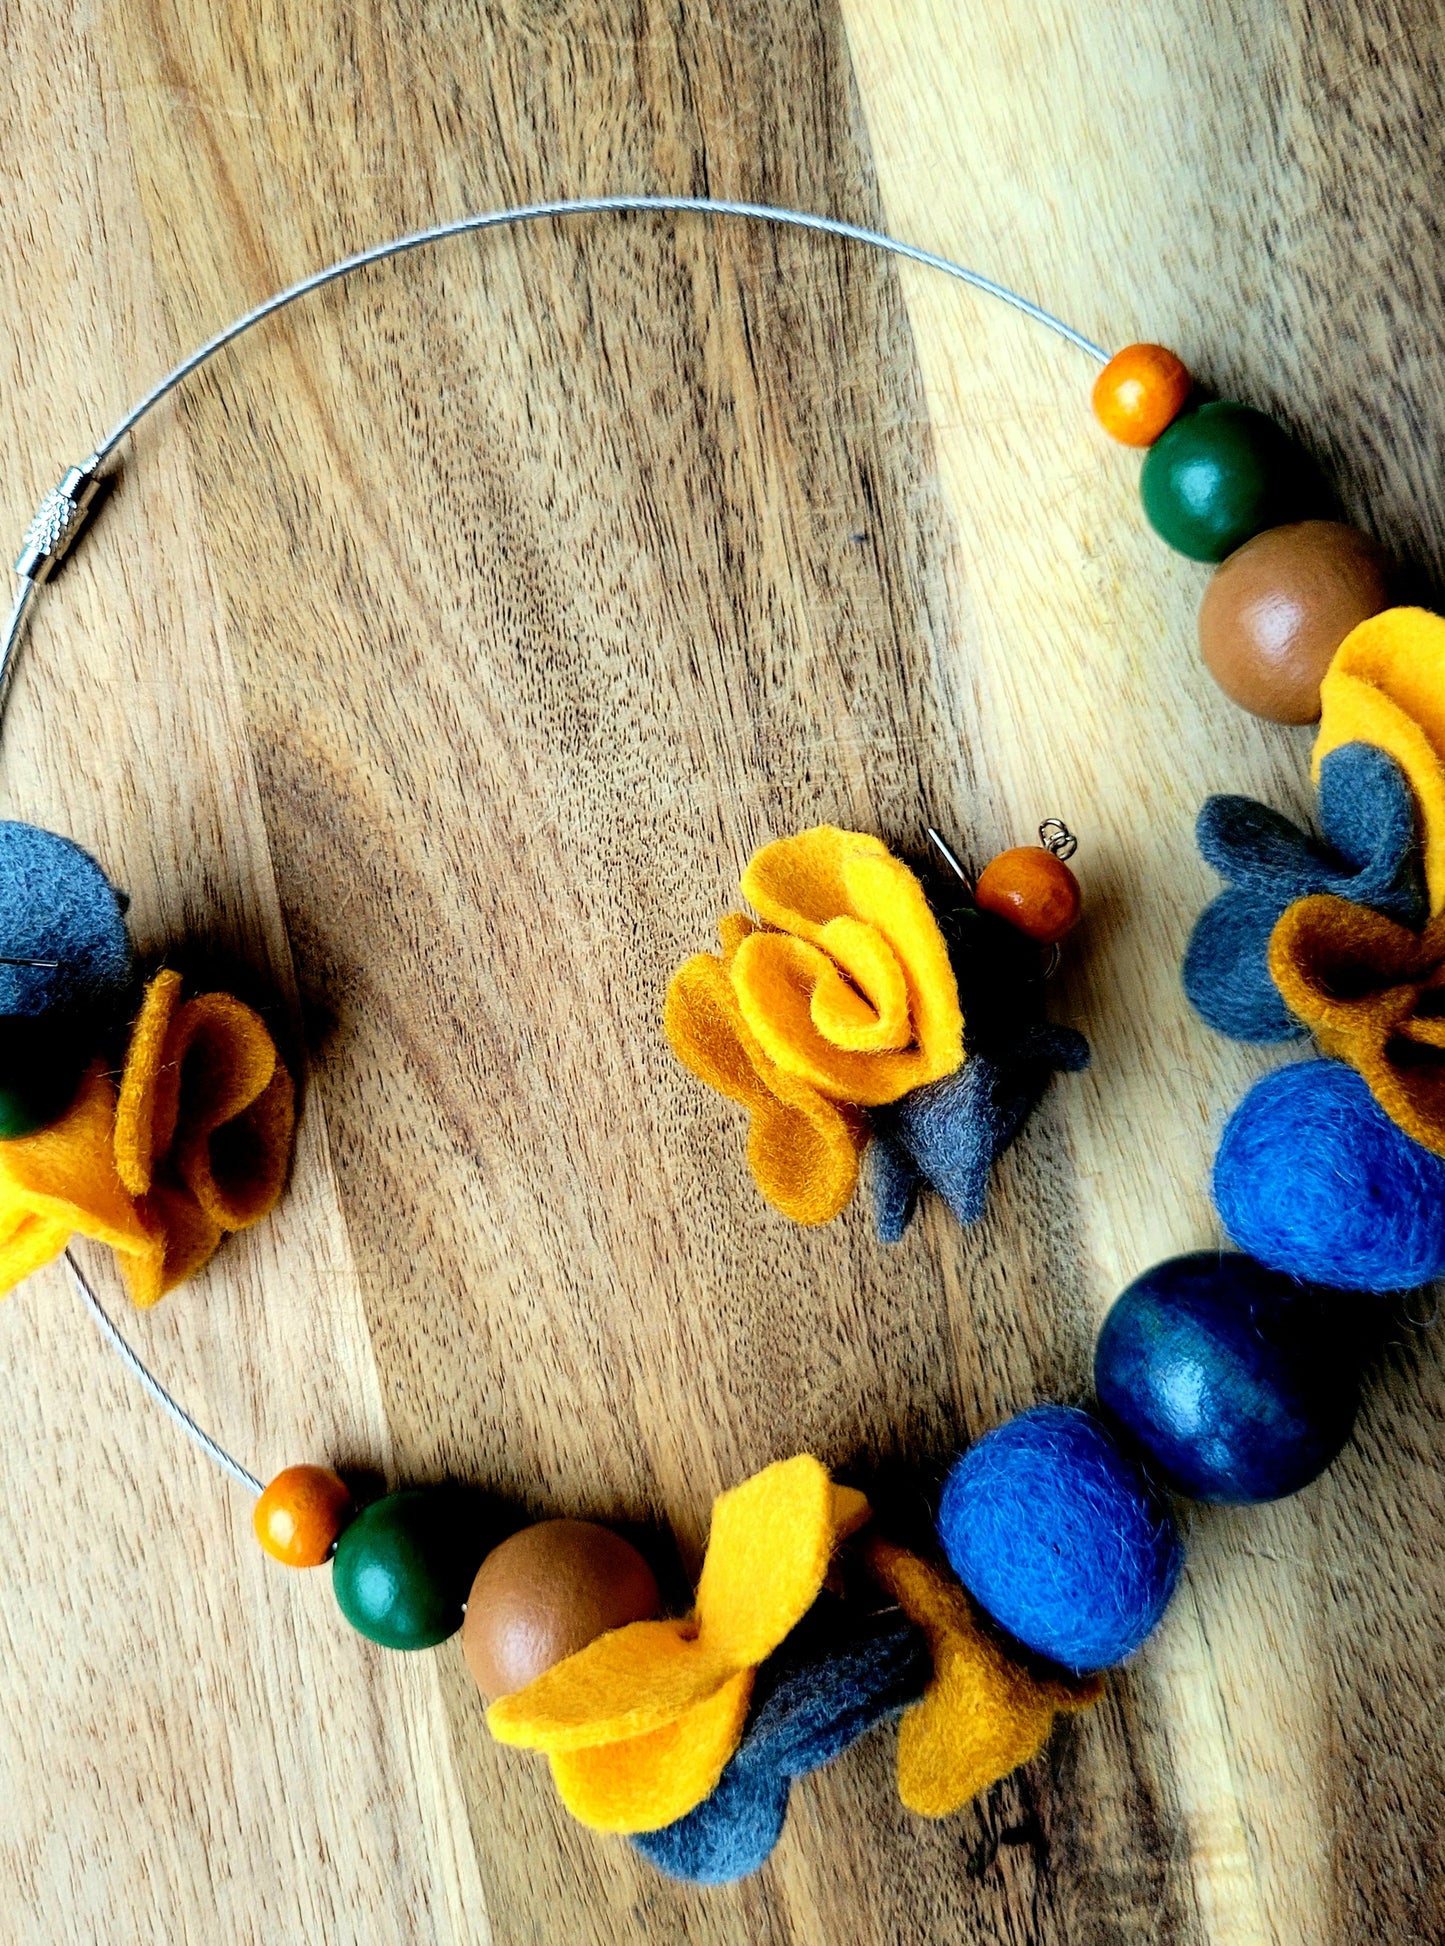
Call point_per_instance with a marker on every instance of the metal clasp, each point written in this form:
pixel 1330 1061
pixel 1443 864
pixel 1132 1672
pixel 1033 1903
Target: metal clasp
pixel 59 521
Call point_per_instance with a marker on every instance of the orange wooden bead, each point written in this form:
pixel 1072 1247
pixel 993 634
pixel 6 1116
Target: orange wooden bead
pixel 301 1513
pixel 1033 890
pixel 1141 390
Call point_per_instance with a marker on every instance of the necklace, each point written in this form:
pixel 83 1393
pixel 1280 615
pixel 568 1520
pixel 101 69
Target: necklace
pixel 868 1009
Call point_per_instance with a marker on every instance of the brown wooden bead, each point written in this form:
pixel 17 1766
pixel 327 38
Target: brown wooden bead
pixel 1278 608
pixel 547 1592
pixel 1033 890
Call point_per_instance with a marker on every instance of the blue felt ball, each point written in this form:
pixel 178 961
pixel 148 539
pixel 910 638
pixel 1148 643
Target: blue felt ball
pixel 1237 1383
pixel 57 907
pixel 1056 1533
pixel 1314 1179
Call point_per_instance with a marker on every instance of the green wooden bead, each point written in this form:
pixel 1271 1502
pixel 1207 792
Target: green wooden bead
pixel 1221 474
pixel 403 1568
pixel 42 1058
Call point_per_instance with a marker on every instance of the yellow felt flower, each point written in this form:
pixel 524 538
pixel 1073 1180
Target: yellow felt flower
pixel 639 1725
pixel 854 992
pixel 803 1149
pixel 983 1714
pixel 1386 685
pixel 197 1144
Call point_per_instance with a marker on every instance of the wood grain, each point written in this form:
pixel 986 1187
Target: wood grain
pixel 441 658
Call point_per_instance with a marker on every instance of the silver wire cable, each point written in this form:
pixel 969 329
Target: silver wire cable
pixel 379 253
pixel 14 622
pixel 584 206
pixel 152 1384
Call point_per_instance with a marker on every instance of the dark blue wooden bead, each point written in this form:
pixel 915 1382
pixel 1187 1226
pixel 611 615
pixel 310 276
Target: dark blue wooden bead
pixel 1238 1384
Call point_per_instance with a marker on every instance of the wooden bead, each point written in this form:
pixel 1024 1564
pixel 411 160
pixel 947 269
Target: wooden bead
pixel 1141 390
pixel 1035 891
pixel 1278 608
pixel 1237 1383
pixel 300 1515
pixel 1221 474
pixel 547 1592
pixel 402 1568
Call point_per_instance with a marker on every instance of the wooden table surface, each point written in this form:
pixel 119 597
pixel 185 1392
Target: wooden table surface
pixel 439 661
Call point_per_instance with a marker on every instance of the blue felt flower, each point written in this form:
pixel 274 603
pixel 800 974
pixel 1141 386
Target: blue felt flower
pixel 832 1679
pixel 59 913
pixel 1370 854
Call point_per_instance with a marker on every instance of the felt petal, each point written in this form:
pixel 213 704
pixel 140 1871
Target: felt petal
pixel 181 1239
pixel 1368 817
pixel 778 979
pixel 237 1170
pixel 1371 992
pixel 805 884
pixel 1226 972
pixel 827 1685
pixel 649 1781
pixel 66 1173
pixel 767 1555
pixel 234 1109
pixel 895 1181
pixel 144 1122
pixel 622 1686
pixel 983 1714
pixel 803 1150
pixel 954 1130
pixel 56 904
pixel 850 1512
pixel 864 1005
pixel 27 1243
pixel 730 1834
pixel 1386 686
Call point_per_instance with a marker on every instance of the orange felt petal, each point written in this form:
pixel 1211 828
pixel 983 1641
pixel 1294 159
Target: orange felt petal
pixel 145 1115
pixel 983 1714
pixel 1371 990
pixel 651 1781
pixel 223 1106
pixel 802 1149
pixel 182 1239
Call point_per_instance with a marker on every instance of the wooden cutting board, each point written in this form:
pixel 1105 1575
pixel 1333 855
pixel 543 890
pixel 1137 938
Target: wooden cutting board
pixel 439 661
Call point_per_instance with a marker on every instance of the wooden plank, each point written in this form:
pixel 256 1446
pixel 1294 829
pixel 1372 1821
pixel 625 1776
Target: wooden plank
pixel 440 661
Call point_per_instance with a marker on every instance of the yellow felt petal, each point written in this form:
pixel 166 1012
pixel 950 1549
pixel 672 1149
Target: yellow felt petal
pixel 651 1781
pixel 621 1686
pixel 66 1173
pixel 803 1150
pixel 867 1010
pixel 733 928
pixel 143 1126
pixel 805 884
pixel 767 1556
pixel 1386 686
pixel 983 1714
pixel 776 978
pixel 27 1242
